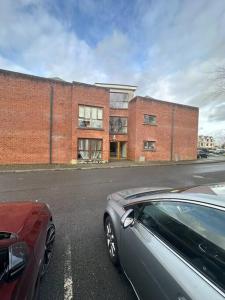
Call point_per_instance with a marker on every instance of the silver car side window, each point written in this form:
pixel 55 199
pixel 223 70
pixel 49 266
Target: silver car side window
pixel 196 232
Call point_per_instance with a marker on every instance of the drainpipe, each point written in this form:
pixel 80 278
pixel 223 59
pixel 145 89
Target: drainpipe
pixel 51 123
pixel 172 134
pixel 72 157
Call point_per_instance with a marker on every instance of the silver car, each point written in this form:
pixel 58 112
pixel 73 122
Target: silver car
pixel 169 243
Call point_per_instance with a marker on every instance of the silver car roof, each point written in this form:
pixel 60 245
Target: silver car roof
pixel 206 194
pixel 203 198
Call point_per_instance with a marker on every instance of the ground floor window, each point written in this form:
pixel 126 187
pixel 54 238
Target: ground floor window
pixel 89 149
pixel 149 145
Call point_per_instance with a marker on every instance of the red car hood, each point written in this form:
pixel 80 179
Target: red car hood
pixel 13 215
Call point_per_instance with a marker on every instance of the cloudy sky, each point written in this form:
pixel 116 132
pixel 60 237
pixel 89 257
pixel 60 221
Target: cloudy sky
pixel 169 49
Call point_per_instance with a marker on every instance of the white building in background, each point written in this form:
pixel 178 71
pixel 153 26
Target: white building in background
pixel 205 141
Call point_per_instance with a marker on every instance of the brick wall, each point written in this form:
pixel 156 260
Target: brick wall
pixel 185 133
pixel 118 112
pixel 175 132
pixel 132 136
pixel 92 96
pixel 62 125
pixel 25 120
pixel 26 134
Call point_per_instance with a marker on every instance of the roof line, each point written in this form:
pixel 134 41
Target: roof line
pixel 163 101
pixel 19 74
pixel 35 77
pixel 89 85
pixel 128 85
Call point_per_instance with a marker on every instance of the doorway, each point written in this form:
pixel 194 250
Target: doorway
pixel 118 150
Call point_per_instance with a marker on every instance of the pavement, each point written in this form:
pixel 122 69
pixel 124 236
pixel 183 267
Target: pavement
pixel 77 199
pixel 112 164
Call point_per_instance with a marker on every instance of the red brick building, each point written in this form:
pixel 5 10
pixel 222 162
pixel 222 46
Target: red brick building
pixel 45 120
pixel 162 130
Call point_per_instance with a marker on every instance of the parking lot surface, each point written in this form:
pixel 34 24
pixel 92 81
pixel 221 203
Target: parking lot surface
pixel 80 268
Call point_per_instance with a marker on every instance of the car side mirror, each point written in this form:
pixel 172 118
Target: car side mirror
pixel 128 218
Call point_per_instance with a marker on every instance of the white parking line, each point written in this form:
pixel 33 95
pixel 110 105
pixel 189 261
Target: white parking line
pixel 68 279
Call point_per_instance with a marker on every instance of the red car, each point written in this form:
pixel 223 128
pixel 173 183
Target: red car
pixel 27 235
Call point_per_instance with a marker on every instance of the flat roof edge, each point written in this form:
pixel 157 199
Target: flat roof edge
pixel 89 85
pixel 120 86
pixel 163 102
pixel 35 77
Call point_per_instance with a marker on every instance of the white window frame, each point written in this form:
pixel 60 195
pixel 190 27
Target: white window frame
pixel 90 117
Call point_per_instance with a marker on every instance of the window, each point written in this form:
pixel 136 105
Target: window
pixel 119 100
pixel 89 149
pixel 149 145
pixel 195 232
pixel 90 117
pixel 118 125
pixel 149 119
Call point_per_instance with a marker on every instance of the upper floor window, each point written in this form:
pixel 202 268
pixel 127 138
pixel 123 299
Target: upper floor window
pixel 90 117
pixel 119 100
pixel 150 119
pixel 118 125
pixel 149 145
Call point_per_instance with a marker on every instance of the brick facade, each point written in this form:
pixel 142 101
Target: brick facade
pixel 174 134
pixel 90 96
pixel 24 119
pixel 39 122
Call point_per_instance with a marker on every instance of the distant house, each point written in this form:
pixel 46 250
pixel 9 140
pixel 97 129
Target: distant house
pixel 207 142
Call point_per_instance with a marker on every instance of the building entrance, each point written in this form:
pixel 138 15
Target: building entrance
pixel 118 150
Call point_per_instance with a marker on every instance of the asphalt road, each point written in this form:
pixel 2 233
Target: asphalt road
pixel 77 199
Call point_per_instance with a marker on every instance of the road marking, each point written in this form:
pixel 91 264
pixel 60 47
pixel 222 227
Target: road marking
pixel 68 279
pixel 198 176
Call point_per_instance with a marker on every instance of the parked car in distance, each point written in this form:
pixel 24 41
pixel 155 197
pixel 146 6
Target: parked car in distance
pixel 170 243
pixel 27 235
pixel 202 154
pixel 219 151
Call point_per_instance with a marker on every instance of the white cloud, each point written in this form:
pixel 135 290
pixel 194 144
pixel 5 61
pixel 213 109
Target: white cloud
pixel 115 57
pixel 44 46
pixel 9 65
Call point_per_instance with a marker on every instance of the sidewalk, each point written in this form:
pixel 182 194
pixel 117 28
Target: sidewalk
pixel 110 165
